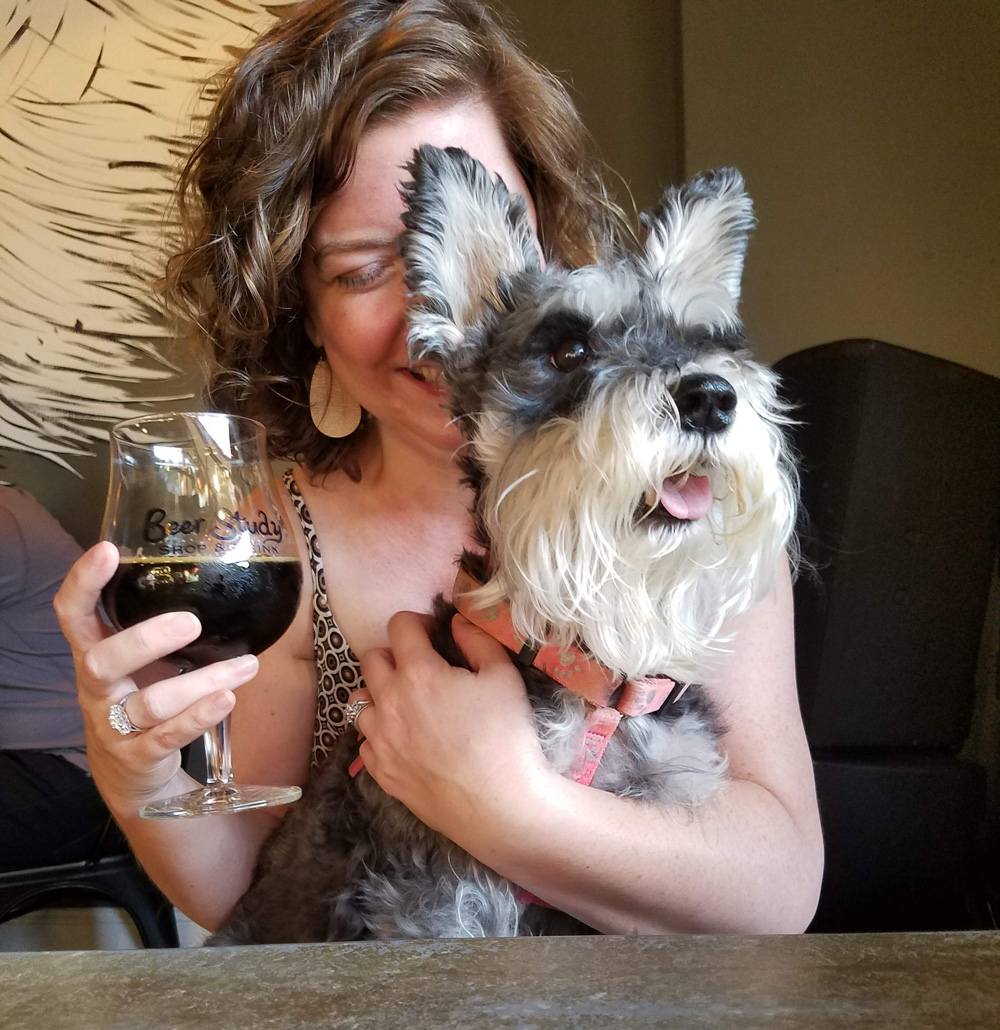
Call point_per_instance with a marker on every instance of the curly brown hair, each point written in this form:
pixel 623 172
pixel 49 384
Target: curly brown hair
pixel 282 138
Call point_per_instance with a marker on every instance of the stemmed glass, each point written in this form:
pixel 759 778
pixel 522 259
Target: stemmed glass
pixel 192 511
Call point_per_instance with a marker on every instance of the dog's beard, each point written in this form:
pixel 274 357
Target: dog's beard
pixel 576 559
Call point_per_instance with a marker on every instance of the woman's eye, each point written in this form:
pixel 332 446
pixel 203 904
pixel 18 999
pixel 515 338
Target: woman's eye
pixel 570 355
pixel 362 278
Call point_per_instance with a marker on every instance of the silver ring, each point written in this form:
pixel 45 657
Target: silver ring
pixel 119 719
pixel 354 709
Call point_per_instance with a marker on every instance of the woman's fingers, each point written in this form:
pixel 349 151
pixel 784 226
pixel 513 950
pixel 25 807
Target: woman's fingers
pixel 105 658
pixel 408 637
pixel 162 740
pixel 359 707
pixel 164 701
pixel 375 664
pixel 480 649
pixel 75 603
pixel 119 655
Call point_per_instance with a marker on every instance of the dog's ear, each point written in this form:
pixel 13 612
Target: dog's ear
pixel 695 244
pixel 466 235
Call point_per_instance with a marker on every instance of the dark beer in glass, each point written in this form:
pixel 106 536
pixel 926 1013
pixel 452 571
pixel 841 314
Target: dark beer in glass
pixel 191 508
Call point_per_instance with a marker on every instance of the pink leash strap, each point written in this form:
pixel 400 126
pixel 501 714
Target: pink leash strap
pixel 568 666
pixel 598 727
pixel 609 696
pixel 600 724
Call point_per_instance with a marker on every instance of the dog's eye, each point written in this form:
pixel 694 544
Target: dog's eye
pixel 570 355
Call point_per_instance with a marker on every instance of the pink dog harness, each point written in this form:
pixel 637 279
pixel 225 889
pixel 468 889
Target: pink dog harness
pixel 609 695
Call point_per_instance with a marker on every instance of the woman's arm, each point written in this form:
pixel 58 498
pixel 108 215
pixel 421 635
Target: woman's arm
pixel 205 865
pixel 748 862
pixel 202 865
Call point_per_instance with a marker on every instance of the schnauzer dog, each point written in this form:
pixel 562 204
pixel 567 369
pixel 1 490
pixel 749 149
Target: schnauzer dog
pixel 632 491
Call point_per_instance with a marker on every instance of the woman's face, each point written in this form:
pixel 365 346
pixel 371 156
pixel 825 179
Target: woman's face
pixel 352 275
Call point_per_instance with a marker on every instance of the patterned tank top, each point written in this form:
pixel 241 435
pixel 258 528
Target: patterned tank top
pixel 339 671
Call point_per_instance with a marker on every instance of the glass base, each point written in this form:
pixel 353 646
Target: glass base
pixel 219 799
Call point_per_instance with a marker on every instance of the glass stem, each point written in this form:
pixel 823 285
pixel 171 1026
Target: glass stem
pixel 220 766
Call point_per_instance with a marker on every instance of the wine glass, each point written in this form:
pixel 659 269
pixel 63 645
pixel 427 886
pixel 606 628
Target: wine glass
pixel 192 511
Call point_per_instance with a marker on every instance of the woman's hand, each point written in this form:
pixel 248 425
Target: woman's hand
pixel 171 711
pixel 455 746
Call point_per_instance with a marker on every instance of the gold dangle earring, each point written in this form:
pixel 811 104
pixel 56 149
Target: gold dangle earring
pixel 334 411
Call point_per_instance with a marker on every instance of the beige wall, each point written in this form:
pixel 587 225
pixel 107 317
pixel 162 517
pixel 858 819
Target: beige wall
pixel 93 125
pixel 621 61
pixel 620 58
pixel 869 135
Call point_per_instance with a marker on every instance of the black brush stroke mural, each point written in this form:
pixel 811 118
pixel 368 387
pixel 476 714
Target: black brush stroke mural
pixel 97 101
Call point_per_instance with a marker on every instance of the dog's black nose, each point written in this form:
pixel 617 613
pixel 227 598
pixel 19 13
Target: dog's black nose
pixel 705 403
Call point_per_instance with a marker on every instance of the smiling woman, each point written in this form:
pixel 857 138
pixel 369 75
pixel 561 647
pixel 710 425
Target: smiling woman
pixel 353 284
pixel 289 272
pixel 319 209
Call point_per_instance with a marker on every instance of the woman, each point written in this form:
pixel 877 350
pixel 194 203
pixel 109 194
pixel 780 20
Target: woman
pixel 291 270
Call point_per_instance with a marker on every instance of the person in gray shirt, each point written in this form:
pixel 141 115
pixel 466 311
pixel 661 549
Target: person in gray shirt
pixel 50 811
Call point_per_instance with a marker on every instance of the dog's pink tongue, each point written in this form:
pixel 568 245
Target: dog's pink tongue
pixel 690 501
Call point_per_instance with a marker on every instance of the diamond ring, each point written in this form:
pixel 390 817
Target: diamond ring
pixel 119 719
pixel 355 708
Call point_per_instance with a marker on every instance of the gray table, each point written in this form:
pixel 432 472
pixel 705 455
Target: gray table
pixel 883 981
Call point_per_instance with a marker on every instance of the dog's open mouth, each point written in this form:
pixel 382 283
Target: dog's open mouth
pixel 682 498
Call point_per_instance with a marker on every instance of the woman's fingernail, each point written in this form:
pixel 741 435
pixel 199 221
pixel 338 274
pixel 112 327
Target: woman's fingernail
pixel 181 624
pixel 244 665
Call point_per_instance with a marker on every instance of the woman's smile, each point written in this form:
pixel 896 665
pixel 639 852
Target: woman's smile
pixel 427 378
pixel 353 279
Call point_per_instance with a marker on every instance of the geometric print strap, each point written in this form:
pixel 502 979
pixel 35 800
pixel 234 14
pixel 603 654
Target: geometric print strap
pixel 338 669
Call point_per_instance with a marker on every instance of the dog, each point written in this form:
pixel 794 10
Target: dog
pixel 633 490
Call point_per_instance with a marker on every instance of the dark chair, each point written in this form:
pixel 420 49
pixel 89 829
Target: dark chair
pixel 900 467
pixel 115 878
